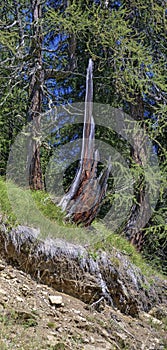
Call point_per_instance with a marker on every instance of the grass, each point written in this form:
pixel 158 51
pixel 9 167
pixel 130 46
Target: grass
pixel 26 199
pixel 5 205
pixel 36 209
pixel 119 242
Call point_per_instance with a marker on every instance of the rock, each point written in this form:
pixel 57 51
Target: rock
pixel 2 266
pixel 121 336
pixel 92 340
pixel 1 308
pixel 44 293
pixel 105 346
pixel 10 275
pixel 51 339
pixel 76 311
pixel 19 298
pixel 60 329
pixel 159 312
pixel 2 291
pixel 105 333
pixel 86 340
pixel 56 300
pixel 80 319
pixel 150 318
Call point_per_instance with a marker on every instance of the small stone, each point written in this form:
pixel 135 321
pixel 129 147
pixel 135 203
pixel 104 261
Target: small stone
pixel 86 341
pixel 151 318
pixel 158 312
pixel 2 267
pixel 2 291
pixel 80 319
pixel 44 293
pixel 11 275
pixel 92 340
pixel 51 339
pixel 1 308
pixel 55 300
pixel 25 287
pixel 105 333
pixel 19 298
pixel 121 336
pixel 60 329
pixel 92 347
pixel 5 298
pixel 76 311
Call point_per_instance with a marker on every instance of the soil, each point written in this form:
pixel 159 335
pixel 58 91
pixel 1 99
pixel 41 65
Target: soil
pixel 28 320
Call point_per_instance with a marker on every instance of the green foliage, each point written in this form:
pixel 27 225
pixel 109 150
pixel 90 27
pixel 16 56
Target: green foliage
pixel 155 248
pixel 111 39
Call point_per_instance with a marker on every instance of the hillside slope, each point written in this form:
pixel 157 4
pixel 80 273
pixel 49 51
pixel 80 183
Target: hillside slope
pixel 111 297
pixel 29 321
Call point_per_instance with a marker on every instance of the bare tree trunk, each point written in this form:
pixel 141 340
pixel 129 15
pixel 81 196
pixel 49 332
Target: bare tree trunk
pixel 141 209
pixel 83 200
pixel 35 97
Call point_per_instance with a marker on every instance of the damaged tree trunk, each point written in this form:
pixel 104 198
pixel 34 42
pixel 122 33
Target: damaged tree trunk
pixel 84 198
pixel 140 212
pixel 35 104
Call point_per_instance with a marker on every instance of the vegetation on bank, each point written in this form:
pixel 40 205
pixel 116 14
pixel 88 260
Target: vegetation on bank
pixel 51 213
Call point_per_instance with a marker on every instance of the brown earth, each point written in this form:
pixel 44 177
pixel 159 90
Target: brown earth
pixel 29 321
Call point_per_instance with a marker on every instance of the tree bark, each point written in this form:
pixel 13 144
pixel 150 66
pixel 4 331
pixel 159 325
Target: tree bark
pixel 35 100
pixel 83 200
pixel 141 209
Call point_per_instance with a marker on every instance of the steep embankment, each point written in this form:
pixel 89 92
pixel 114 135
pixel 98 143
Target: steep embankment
pixel 28 320
pixel 107 283
pixel 71 269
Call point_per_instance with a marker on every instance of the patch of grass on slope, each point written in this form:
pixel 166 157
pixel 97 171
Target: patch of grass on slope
pixel 47 207
pixel 5 204
pixel 18 204
pixel 114 240
pixel 35 208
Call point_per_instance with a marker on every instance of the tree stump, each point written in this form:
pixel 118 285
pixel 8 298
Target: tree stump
pixel 84 198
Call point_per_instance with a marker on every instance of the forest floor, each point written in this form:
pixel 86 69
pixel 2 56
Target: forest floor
pixel 28 320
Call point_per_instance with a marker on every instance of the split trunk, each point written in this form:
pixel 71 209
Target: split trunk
pixel 82 202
